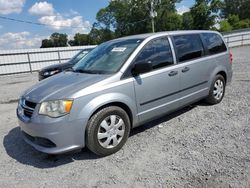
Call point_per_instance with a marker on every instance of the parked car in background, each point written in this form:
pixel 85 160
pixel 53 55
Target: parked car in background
pixel 59 67
pixel 122 84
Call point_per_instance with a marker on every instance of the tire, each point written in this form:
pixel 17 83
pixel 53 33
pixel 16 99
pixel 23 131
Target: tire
pixel 217 90
pixel 107 130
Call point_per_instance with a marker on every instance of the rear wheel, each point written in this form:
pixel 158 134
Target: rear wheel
pixel 107 130
pixel 217 90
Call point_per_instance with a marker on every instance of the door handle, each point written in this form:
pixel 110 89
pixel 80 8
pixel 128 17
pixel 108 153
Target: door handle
pixel 185 69
pixel 173 73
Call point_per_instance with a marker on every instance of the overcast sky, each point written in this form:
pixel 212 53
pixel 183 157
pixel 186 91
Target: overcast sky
pixel 76 15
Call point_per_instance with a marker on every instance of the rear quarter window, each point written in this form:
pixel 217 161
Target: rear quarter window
pixel 188 47
pixel 214 43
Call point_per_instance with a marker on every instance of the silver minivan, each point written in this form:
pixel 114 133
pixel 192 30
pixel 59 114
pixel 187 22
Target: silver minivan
pixel 122 84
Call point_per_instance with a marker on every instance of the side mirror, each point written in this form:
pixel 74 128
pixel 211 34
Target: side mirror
pixel 142 67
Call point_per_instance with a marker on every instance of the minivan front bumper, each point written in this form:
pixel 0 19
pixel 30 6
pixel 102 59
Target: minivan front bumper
pixel 53 137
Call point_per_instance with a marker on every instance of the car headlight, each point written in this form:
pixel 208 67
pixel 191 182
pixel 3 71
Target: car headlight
pixel 56 108
pixel 50 72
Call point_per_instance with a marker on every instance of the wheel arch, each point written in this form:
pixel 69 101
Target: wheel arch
pixel 224 74
pixel 218 70
pixel 92 105
pixel 122 105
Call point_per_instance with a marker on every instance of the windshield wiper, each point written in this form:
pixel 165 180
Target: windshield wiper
pixel 85 71
pixel 69 69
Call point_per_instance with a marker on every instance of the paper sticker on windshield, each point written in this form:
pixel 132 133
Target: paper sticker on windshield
pixel 119 49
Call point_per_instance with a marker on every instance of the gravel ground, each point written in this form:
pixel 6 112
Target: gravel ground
pixel 198 146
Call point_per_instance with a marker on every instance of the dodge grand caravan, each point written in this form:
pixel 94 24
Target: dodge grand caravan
pixel 122 84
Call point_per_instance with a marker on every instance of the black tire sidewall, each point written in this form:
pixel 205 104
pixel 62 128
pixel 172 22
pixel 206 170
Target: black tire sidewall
pixel 211 99
pixel 93 126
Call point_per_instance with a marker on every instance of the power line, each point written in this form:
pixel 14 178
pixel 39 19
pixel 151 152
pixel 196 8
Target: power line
pixel 35 23
pixel 133 23
pixel 41 24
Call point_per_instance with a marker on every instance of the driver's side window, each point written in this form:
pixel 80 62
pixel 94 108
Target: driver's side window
pixel 157 52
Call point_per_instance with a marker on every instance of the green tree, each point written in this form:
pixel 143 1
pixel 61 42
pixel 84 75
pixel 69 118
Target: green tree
pixel 123 16
pixel 234 21
pixel 187 21
pixel 167 18
pixel 225 26
pixel 97 36
pixel 56 40
pixel 172 21
pixel 127 17
pixel 244 24
pixel 105 17
pixel 46 43
pixel 239 7
pixel 59 39
pixel 204 13
pixel 80 40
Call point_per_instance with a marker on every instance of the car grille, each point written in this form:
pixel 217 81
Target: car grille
pixel 28 108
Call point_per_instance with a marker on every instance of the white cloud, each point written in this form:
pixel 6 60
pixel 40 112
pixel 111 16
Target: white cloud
pixel 20 40
pixel 73 13
pixel 11 6
pixel 58 22
pixel 42 9
pixel 70 13
pixel 181 10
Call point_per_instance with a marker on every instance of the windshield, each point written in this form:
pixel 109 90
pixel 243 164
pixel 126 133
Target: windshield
pixel 79 56
pixel 108 57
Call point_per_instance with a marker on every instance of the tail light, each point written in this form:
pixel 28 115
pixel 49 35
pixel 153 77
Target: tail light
pixel 231 58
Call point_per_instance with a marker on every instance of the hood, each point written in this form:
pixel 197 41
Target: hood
pixel 59 66
pixel 61 86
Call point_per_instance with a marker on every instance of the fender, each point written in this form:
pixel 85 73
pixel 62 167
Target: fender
pixel 219 68
pixel 97 102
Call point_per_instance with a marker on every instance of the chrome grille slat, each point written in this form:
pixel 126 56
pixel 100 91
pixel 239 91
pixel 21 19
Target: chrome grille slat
pixel 28 108
pixel 30 104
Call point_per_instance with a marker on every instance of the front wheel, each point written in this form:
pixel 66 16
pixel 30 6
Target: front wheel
pixel 107 130
pixel 217 90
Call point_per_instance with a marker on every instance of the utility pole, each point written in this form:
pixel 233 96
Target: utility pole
pixel 153 14
pixel 153 25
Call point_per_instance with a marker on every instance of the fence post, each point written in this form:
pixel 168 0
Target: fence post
pixel 28 55
pixel 59 57
pixel 242 40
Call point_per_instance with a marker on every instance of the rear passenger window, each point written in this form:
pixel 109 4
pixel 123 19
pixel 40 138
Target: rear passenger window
pixel 158 52
pixel 188 47
pixel 214 43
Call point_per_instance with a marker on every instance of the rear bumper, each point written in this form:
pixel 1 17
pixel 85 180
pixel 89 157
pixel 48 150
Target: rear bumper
pixel 55 137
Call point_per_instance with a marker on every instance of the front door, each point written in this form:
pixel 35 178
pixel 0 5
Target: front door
pixel 157 90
